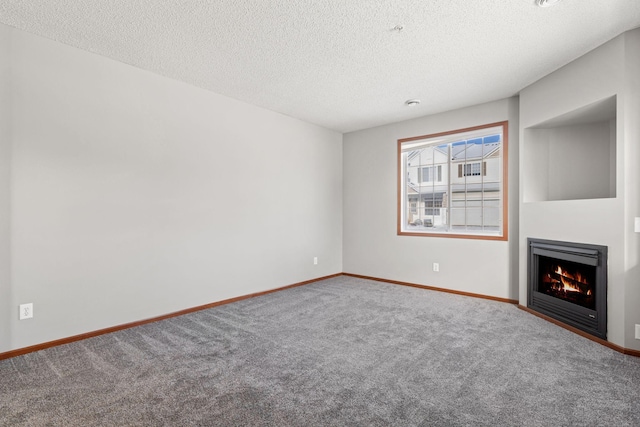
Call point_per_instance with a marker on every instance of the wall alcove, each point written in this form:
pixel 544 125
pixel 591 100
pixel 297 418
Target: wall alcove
pixel 572 156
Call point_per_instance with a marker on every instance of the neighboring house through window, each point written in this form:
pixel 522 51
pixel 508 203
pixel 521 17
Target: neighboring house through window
pixel 430 174
pixel 454 183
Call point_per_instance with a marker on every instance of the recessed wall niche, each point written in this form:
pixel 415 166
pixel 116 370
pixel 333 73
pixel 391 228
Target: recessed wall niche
pixel 572 156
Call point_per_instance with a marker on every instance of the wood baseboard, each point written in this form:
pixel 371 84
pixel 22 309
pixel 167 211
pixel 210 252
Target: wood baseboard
pixel 433 288
pixel 49 344
pixel 605 343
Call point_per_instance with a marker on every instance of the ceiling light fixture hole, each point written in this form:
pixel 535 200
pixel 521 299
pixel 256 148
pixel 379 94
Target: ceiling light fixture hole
pixel 546 3
pixel 412 102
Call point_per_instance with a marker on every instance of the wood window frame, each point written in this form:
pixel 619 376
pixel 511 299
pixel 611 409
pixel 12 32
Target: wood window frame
pixel 505 184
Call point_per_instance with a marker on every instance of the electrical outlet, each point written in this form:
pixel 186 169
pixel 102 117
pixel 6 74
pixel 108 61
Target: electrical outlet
pixel 436 267
pixel 26 311
pixel 637 331
pixel 315 260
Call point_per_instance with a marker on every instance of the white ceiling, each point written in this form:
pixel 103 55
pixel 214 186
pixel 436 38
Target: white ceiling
pixel 336 63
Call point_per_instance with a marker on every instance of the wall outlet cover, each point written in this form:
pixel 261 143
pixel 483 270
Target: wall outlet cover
pixel 26 311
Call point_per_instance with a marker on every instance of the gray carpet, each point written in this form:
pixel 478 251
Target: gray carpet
pixel 341 352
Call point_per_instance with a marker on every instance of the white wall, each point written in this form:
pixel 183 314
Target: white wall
pixel 631 129
pixel 134 195
pixel 569 162
pixel 606 71
pixel 371 246
pixel 576 156
pixel 5 163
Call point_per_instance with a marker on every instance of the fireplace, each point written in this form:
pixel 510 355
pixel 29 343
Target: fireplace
pixel 568 282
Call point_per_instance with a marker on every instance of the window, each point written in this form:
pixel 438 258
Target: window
pixel 453 184
pixel 432 207
pixel 472 169
pixel 430 173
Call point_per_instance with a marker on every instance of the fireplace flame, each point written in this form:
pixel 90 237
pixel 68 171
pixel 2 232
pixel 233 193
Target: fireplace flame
pixel 568 280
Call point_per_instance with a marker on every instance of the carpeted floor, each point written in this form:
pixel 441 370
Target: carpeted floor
pixel 341 352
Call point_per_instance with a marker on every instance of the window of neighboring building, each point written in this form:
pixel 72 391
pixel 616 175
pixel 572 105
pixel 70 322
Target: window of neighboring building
pixel 454 183
pixel 432 207
pixel 472 169
pixel 430 173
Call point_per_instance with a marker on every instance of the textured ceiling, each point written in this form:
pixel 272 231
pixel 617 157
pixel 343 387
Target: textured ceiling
pixel 340 64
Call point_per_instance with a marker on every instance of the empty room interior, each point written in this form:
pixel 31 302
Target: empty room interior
pixel 320 213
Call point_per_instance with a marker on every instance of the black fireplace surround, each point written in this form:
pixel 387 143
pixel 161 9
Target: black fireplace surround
pixel 568 282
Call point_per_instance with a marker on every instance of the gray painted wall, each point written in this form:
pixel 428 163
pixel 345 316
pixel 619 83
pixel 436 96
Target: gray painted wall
pixel 5 163
pixel 631 129
pixel 134 195
pixel 372 247
pixel 570 162
pixel 609 70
